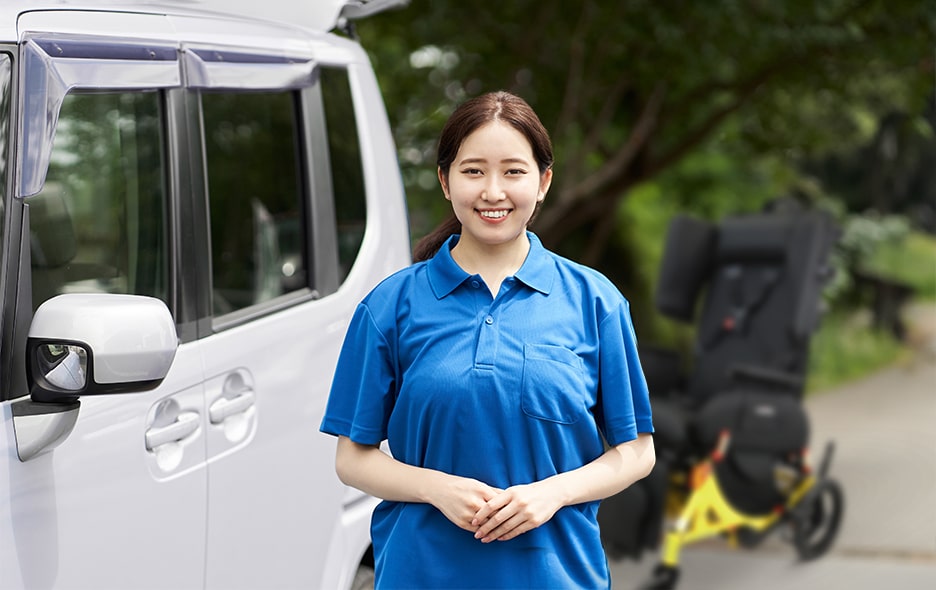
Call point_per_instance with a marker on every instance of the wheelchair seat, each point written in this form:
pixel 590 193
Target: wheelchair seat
pixel 766 436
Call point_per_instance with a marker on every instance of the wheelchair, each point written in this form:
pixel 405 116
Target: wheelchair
pixel 731 433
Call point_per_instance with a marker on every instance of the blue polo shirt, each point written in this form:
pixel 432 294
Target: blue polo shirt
pixel 507 390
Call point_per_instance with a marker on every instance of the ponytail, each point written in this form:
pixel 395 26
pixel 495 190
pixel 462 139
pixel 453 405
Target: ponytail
pixel 427 247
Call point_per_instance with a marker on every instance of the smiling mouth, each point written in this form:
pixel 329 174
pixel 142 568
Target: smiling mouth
pixel 494 213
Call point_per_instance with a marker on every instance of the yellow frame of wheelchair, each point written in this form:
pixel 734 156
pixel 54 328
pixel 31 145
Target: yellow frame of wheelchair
pixel 707 513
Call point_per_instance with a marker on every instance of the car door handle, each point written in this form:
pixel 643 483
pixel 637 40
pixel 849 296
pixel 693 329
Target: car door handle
pixel 224 407
pixel 184 425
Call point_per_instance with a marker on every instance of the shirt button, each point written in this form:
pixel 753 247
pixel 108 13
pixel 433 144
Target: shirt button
pixel 475 284
pixel 489 320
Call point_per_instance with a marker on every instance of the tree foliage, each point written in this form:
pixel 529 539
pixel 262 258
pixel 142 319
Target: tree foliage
pixel 629 88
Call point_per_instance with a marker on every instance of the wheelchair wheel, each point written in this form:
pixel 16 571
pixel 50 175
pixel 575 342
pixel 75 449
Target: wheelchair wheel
pixel 816 526
pixel 749 538
pixel 664 578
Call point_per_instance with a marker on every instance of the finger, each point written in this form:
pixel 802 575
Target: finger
pixel 516 532
pixel 466 525
pixel 495 520
pixel 483 514
pixel 509 529
pixel 490 507
pixel 491 493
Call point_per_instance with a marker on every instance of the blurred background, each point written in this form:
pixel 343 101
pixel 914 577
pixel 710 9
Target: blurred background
pixel 707 108
pixel 711 108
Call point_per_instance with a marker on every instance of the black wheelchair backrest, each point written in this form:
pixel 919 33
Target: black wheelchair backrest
pixel 761 276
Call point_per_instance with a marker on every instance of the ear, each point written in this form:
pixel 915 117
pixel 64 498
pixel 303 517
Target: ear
pixel 545 182
pixel 444 182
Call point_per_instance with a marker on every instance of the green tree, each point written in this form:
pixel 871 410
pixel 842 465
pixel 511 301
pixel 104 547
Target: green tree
pixel 629 88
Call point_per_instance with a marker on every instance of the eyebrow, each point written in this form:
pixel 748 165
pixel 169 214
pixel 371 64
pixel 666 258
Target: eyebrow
pixel 484 161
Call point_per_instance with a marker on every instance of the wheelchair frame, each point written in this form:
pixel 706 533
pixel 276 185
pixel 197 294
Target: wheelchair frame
pixel 706 513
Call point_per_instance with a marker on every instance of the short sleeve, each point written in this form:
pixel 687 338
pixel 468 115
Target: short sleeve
pixel 625 398
pixel 364 385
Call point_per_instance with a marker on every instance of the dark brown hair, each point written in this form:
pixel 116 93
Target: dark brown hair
pixel 469 116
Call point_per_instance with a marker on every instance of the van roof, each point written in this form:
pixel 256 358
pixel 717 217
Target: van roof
pixel 317 15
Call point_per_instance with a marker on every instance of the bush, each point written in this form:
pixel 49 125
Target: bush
pixel 861 238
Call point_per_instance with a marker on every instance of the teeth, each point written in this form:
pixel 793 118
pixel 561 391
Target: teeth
pixel 494 214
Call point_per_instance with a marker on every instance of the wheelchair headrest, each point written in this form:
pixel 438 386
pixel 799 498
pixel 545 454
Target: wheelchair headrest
pixel 757 239
pixel 694 248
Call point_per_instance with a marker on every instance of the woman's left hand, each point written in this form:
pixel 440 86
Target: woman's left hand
pixel 522 508
pixel 516 510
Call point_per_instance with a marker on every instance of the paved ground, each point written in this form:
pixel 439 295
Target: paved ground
pixel 884 428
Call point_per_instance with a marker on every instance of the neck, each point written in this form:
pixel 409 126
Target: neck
pixel 493 262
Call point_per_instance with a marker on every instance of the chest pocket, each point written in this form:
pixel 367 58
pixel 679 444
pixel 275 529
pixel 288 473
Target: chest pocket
pixel 553 384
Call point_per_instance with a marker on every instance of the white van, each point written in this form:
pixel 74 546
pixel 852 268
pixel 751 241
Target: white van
pixel 193 203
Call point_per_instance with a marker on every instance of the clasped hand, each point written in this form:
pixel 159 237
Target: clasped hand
pixel 493 514
pixel 514 511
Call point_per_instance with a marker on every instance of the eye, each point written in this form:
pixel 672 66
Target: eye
pixel 516 172
pixel 471 171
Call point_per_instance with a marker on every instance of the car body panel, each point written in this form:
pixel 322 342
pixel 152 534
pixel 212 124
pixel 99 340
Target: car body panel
pixel 247 496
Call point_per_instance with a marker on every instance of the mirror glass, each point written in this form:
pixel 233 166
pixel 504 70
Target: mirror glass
pixel 63 366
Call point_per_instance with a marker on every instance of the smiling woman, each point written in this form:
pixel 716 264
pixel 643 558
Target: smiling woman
pixel 512 114
pixel 497 371
pixel 494 187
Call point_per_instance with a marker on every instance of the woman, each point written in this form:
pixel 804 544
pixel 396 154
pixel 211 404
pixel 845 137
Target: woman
pixel 504 378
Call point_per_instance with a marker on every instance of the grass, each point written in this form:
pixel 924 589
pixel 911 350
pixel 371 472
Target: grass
pixel 911 260
pixel 847 348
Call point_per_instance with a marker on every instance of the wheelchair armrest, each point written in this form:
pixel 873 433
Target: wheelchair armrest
pixel 767 376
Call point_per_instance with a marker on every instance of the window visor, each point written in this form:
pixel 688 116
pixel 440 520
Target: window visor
pixel 51 67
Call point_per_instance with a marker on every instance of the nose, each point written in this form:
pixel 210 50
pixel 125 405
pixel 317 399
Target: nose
pixel 493 191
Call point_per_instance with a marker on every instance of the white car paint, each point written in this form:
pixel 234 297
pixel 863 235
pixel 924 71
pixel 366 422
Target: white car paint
pixel 218 476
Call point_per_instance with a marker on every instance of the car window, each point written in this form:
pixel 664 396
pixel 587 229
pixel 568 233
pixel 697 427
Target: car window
pixel 99 223
pixel 346 171
pixel 255 198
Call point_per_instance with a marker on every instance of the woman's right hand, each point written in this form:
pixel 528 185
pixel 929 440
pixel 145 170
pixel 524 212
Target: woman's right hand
pixel 460 498
pixel 373 471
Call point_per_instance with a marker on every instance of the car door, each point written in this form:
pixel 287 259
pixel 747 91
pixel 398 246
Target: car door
pixel 120 502
pixel 273 499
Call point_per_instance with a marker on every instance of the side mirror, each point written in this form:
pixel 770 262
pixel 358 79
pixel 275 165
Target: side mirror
pixel 88 344
pixel 91 344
